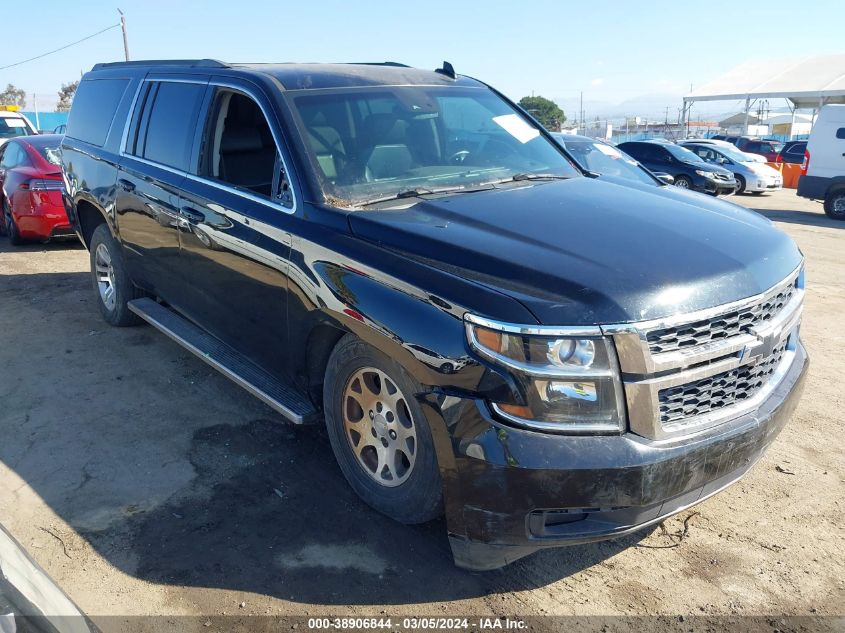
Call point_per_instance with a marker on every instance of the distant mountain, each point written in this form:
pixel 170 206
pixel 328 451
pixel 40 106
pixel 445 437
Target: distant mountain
pixel 648 106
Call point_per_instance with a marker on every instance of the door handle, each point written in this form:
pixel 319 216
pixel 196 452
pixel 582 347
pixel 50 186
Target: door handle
pixel 126 185
pixel 192 215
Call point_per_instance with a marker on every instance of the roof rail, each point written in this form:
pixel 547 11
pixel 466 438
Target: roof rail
pixel 192 63
pixel 397 64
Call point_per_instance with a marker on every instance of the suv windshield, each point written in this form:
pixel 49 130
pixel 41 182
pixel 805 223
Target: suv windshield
pixel 606 160
pixel 376 143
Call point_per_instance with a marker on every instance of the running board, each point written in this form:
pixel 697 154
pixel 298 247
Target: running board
pixel 232 364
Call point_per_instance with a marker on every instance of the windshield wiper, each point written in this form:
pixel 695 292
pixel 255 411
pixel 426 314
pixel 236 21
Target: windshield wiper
pixel 417 192
pixel 528 176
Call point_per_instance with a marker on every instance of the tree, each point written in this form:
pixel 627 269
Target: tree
pixel 13 96
pixel 66 96
pixel 545 111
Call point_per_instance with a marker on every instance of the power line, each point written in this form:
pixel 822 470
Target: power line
pixel 31 59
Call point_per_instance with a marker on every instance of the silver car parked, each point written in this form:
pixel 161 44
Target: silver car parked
pixel 751 176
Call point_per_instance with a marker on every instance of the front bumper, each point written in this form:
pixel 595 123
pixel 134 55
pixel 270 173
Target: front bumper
pixel 513 491
pixel 717 187
pixel 763 184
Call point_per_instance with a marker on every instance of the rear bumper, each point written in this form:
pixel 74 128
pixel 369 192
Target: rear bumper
pixel 522 491
pixel 44 223
pixel 813 187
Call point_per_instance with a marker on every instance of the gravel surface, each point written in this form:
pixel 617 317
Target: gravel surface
pixel 145 483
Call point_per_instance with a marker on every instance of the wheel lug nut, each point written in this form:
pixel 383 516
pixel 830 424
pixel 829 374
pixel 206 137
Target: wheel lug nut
pixel 392 434
pixel 371 415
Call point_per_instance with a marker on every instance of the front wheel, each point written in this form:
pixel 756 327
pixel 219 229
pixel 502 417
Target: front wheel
pixel 834 205
pixel 379 435
pixel 683 182
pixel 740 181
pixel 112 284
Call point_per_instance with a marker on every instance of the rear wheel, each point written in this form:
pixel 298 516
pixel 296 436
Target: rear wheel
pixel 11 228
pixel 378 433
pixel 834 205
pixel 113 287
pixel 683 182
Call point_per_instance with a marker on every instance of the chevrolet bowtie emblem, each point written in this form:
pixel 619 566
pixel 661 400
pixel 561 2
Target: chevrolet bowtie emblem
pixel 763 347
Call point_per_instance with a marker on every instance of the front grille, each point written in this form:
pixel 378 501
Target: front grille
pixel 733 323
pixel 722 177
pixel 718 391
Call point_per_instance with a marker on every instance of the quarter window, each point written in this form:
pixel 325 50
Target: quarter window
pixel 94 105
pixel 164 131
pixel 14 156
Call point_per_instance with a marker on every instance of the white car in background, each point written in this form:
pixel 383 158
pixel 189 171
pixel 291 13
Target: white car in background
pixel 754 158
pixel 14 124
pixel 751 175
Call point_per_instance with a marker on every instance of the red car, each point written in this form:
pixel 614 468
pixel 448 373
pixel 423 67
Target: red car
pixel 31 189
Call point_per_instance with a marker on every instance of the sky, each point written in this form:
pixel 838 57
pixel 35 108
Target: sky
pixel 643 54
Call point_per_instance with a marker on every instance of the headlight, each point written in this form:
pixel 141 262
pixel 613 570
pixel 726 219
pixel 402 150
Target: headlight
pixel 570 384
pixel 706 174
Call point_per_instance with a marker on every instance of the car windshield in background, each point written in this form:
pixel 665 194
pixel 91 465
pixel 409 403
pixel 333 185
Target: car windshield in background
pixel 683 154
pixel 606 160
pixel 11 127
pixel 50 154
pixel 732 153
pixel 370 145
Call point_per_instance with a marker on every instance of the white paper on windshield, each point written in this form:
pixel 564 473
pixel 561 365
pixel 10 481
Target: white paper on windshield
pixel 14 122
pixel 516 127
pixel 613 153
pixel 607 149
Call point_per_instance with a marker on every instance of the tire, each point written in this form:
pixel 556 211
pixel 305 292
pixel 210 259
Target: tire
pixel 741 182
pixel 408 494
pixel 683 182
pixel 11 228
pixel 109 271
pixel 834 204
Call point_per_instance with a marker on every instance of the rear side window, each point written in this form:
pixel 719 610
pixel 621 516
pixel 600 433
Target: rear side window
pixel 165 129
pixel 14 156
pixel 94 106
pixel 840 133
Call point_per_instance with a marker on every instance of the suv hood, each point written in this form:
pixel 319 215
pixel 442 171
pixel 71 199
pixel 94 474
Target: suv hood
pixel 583 251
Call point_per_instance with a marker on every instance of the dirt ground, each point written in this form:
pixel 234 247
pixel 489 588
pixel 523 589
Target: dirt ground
pixel 145 483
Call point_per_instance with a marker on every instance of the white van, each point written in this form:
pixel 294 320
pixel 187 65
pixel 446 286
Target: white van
pixel 823 171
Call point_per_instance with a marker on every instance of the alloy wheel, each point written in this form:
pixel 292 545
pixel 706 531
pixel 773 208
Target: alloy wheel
pixel 379 427
pixel 105 276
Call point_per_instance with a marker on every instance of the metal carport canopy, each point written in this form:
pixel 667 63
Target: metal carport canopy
pixel 808 82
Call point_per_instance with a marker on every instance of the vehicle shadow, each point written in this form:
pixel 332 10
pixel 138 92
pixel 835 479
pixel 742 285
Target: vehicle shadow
pixel 806 218
pixel 33 247
pixel 176 476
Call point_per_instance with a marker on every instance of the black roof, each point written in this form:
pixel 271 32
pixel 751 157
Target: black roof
pixel 314 76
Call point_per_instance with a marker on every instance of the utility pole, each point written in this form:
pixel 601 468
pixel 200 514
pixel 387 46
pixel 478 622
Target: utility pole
pixel 581 114
pixel 125 39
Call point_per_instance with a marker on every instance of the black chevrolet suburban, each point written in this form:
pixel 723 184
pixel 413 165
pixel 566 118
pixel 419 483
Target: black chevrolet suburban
pixel 487 331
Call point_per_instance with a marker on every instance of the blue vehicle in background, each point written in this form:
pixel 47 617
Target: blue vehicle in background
pixel 687 168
